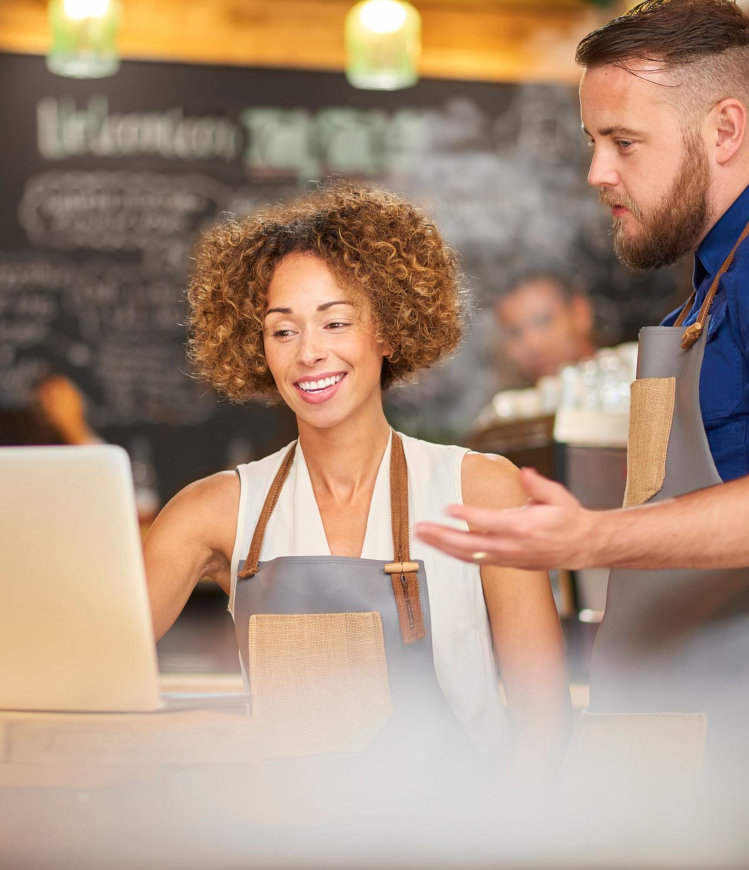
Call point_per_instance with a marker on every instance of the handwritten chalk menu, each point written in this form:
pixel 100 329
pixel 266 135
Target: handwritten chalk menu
pixel 108 183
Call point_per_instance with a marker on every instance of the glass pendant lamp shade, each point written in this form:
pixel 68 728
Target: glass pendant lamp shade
pixel 383 45
pixel 84 34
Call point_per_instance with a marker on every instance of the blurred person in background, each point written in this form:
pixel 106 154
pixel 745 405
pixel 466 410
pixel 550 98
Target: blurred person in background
pixel 544 322
pixel 55 413
pixel 63 405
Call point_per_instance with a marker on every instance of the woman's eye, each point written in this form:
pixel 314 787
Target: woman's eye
pixel 282 333
pixel 336 324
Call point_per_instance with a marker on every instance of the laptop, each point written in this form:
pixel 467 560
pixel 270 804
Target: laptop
pixel 75 621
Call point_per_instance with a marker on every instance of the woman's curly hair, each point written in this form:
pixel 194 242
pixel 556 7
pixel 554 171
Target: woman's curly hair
pixel 376 245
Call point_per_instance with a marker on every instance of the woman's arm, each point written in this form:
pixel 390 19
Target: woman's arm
pixel 525 628
pixel 191 538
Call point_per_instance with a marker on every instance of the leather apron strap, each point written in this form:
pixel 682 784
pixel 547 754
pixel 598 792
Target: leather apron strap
pixel 694 331
pixel 402 570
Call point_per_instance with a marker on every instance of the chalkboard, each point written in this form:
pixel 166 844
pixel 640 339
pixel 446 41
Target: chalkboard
pixel 108 183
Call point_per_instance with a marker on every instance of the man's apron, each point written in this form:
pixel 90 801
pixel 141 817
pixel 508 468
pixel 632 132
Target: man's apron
pixel 673 640
pixel 342 643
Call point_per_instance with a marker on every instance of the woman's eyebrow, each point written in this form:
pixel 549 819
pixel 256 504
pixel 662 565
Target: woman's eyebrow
pixel 323 307
pixel 326 305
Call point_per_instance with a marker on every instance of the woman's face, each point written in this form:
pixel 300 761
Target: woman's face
pixel 321 348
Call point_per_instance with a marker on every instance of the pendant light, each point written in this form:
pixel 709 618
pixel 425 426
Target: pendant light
pixel 383 45
pixel 84 34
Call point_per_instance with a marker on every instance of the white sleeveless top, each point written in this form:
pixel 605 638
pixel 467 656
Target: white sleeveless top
pixel 461 638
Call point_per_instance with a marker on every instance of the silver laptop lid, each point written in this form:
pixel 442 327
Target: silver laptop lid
pixel 75 623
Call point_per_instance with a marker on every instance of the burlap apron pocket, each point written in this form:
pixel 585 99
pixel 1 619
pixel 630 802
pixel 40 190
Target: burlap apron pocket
pixel 650 418
pixel 319 679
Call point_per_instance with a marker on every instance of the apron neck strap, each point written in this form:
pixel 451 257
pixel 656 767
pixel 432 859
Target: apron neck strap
pixel 694 331
pixel 403 572
pixel 251 563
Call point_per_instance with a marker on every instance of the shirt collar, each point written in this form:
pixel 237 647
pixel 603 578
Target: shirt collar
pixel 717 244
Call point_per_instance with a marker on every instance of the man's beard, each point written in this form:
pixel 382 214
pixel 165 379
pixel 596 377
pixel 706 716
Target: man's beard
pixel 672 227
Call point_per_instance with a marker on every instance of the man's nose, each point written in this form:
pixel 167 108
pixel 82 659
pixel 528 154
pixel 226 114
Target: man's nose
pixel 602 172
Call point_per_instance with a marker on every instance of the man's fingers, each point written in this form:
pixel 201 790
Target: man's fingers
pixel 455 542
pixel 544 491
pixel 484 519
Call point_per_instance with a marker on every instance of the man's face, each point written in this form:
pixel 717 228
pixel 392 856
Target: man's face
pixel 653 176
pixel 541 329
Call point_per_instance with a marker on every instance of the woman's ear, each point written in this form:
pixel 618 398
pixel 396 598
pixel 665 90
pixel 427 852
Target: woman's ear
pixel 386 347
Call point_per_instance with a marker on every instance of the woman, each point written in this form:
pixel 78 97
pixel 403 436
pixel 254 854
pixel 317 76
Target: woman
pixel 324 303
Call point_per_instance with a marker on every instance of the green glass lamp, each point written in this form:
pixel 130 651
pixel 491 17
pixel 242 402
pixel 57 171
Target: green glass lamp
pixel 84 35
pixel 383 45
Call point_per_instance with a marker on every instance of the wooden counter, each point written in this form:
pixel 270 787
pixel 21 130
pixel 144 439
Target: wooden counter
pixel 85 749
pixel 88 749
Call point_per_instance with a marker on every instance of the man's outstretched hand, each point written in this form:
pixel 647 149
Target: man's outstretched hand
pixel 552 531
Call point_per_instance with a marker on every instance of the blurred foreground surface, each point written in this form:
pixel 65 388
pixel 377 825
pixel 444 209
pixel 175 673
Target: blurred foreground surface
pixel 336 811
pixel 211 788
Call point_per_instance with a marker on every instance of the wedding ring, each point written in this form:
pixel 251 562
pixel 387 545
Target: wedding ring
pixel 479 555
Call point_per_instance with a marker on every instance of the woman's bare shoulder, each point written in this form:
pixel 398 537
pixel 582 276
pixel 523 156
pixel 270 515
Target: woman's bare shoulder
pixel 207 508
pixel 489 480
pixel 220 487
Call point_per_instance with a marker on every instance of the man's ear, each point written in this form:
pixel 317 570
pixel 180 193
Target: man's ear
pixel 728 129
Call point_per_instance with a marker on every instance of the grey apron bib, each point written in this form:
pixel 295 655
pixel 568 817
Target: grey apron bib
pixel 673 640
pixel 321 628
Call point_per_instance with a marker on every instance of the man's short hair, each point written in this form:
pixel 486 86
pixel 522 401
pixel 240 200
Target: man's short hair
pixel 566 287
pixel 703 44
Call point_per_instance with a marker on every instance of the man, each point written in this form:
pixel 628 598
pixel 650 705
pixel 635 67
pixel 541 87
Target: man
pixel 665 107
pixel 544 323
pixel 664 99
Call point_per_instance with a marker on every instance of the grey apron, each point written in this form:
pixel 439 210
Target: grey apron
pixel 330 625
pixel 673 640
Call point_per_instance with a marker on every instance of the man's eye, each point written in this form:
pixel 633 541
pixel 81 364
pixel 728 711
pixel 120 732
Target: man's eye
pixel 543 320
pixel 624 143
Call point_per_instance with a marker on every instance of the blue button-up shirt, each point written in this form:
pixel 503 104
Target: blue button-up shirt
pixel 724 380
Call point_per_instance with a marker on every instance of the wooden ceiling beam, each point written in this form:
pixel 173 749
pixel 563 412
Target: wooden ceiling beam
pixel 494 40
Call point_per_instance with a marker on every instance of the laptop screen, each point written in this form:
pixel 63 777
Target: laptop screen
pixel 75 624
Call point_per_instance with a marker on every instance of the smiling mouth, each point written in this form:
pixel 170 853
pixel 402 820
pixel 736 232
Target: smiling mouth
pixel 317 386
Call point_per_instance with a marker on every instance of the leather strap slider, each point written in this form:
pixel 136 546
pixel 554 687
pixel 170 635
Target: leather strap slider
pixel 408 605
pixel 691 334
pixel 401 568
pixel 248 571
